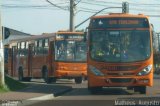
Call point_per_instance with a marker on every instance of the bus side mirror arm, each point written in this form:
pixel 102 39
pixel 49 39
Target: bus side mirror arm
pixel 85 34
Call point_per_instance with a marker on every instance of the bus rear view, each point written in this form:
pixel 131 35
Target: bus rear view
pixel 120 52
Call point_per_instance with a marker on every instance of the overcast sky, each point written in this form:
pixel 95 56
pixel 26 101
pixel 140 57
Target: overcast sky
pixel 38 16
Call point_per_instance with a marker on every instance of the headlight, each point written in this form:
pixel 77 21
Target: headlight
pixel 145 71
pixel 95 71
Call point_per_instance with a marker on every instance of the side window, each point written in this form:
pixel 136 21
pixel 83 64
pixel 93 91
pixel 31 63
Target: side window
pixel 36 47
pixel 46 46
pixel 26 48
pixel 27 45
pixel 40 43
pixel 40 48
pixel 22 49
pixel 19 48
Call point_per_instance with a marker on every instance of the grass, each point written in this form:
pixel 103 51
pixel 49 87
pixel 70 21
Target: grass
pixel 12 85
pixel 3 89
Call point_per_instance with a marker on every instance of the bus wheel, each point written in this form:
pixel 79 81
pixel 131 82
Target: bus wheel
pixel 46 78
pixel 20 75
pixel 27 79
pixel 129 88
pixel 54 80
pixel 85 78
pixel 140 89
pixel 94 90
pixel 78 80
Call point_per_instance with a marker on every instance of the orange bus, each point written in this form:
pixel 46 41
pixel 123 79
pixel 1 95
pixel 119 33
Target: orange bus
pixel 49 56
pixel 120 52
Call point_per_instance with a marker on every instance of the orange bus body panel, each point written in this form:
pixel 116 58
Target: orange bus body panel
pixel 64 69
pixel 119 74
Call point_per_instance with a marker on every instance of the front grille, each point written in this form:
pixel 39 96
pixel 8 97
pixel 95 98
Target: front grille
pixel 121 80
pixel 118 74
pixel 121 68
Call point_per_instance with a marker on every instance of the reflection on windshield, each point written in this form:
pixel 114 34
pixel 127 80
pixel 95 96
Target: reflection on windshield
pixel 70 50
pixel 120 46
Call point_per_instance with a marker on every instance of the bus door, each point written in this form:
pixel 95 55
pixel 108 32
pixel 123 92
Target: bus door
pixel 52 57
pixel 30 58
pixel 13 60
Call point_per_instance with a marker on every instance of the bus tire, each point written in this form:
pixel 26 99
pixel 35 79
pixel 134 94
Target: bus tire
pixel 78 80
pixel 47 79
pixel 86 78
pixel 140 89
pixel 130 88
pixel 28 79
pixel 54 79
pixel 20 74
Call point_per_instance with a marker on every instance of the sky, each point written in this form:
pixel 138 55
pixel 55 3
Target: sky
pixel 38 16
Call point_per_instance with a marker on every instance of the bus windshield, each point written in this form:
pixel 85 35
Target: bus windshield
pixel 70 50
pixel 120 46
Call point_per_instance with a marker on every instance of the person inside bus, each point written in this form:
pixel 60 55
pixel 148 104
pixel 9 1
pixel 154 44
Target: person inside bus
pixel 61 51
pixel 125 41
pixel 114 50
pixel 97 51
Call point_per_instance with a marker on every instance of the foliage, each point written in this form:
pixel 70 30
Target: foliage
pixel 12 85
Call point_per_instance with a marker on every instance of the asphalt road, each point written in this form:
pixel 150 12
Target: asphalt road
pixel 80 96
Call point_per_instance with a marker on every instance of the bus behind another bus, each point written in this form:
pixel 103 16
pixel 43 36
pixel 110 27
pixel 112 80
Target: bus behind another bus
pixel 49 56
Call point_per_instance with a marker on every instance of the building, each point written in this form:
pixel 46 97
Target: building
pixel 11 34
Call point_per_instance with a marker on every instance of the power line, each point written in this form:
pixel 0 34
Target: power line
pixel 96 14
pixel 97 1
pixel 57 5
pixel 78 2
pixel 102 3
pixel 32 7
pixel 96 4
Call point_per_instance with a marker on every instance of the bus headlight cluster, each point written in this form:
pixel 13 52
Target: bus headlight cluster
pixel 95 71
pixel 145 71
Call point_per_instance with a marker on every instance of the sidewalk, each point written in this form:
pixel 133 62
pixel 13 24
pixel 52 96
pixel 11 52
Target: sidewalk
pixel 34 92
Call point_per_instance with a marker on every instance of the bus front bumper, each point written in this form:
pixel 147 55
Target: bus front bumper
pixel 95 81
pixel 70 74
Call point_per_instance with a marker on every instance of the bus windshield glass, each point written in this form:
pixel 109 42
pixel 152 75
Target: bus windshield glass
pixel 120 46
pixel 70 50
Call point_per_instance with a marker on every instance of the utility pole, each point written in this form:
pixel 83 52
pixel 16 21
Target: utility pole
pixel 72 12
pixel 72 15
pixel 158 34
pixel 2 82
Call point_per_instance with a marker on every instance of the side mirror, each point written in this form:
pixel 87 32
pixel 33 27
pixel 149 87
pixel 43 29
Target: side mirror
pixel 85 34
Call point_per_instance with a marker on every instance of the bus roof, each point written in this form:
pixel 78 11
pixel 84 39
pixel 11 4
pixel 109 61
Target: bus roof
pixel 120 15
pixel 68 32
pixel 34 37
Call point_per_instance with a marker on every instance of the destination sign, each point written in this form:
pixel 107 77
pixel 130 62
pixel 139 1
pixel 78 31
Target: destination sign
pixel 69 36
pixel 119 23
pixel 132 22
